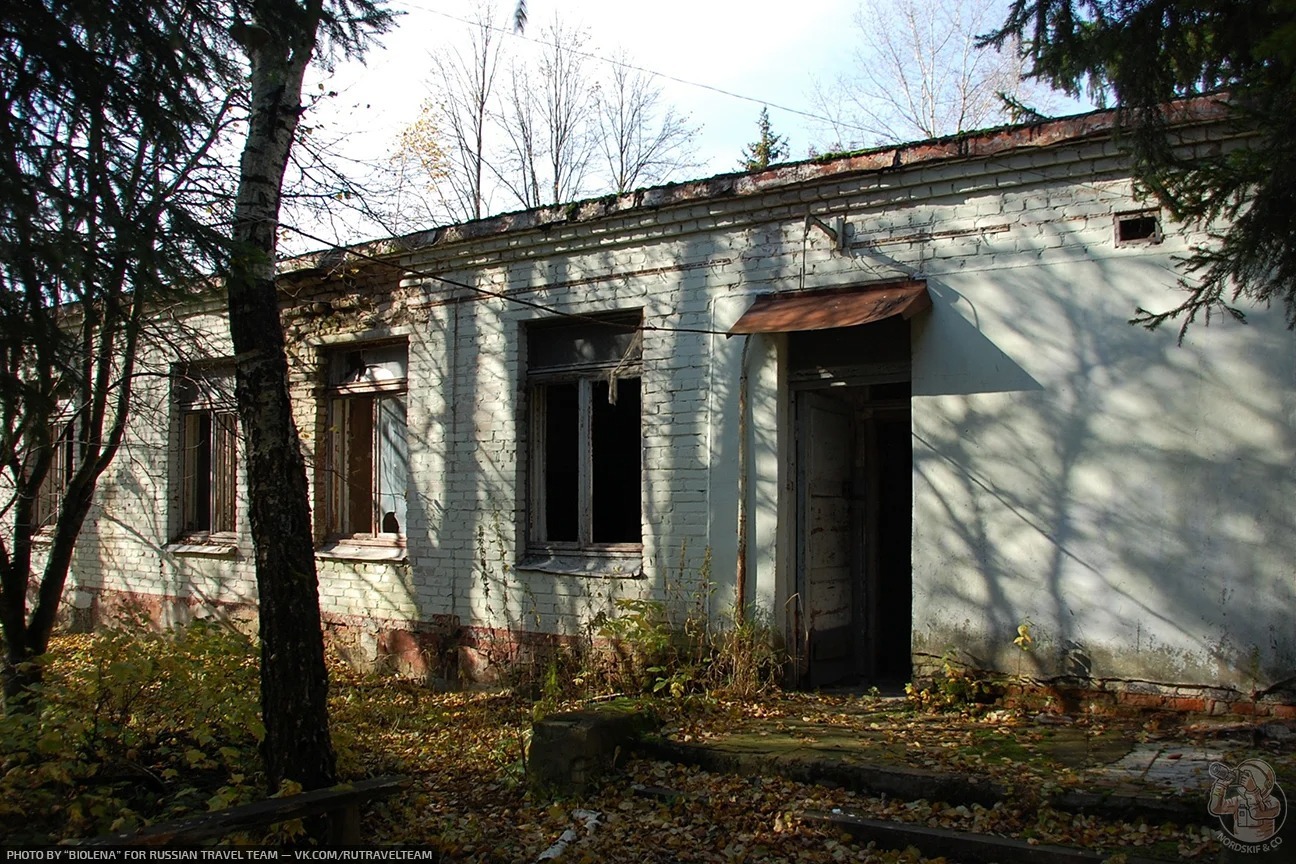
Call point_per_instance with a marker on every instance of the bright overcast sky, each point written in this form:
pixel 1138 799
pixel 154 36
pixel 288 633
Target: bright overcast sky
pixel 767 51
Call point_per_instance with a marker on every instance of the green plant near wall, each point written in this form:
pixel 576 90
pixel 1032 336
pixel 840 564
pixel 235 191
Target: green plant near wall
pixel 1025 644
pixel 133 721
pixel 953 687
pixel 513 667
pixel 677 647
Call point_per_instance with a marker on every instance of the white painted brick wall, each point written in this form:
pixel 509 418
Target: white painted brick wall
pixel 976 230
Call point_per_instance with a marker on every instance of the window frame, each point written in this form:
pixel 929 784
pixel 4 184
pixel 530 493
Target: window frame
pixel 49 494
pixel 219 483
pixel 341 397
pixel 585 374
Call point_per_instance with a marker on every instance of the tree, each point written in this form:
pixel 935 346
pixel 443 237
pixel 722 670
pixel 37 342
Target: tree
pixel 280 38
pixel 465 80
pixel 547 115
pixel 537 131
pixel 111 115
pixel 765 150
pixel 518 169
pixel 421 164
pixel 1144 56
pixel 641 143
pixel 922 72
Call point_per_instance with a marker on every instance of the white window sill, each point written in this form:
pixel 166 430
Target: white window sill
pixel 202 550
pixel 342 550
pixel 601 565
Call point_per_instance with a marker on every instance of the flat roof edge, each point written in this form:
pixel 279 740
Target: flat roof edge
pixel 970 145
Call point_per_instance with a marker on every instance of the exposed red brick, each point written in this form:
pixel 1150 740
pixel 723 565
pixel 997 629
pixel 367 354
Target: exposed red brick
pixel 1185 703
pixel 1141 700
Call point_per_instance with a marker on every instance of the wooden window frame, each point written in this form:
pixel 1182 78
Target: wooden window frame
pixel 341 523
pixel 208 493
pixel 49 495
pixel 585 376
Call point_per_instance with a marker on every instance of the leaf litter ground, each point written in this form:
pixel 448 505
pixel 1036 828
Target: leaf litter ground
pixel 466 752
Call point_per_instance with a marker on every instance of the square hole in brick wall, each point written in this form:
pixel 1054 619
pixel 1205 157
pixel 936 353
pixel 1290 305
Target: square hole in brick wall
pixel 1142 226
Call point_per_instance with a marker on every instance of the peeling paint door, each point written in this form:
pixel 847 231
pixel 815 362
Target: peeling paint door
pixel 826 568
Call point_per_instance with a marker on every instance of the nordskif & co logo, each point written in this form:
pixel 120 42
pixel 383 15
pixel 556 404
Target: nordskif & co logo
pixel 1250 805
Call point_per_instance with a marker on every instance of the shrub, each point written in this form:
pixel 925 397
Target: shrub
pixel 131 724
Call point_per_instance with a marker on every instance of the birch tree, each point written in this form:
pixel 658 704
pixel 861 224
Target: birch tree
pixel 517 169
pixel 463 79
pixel 547 116
pixel 642 140
pixel 280 37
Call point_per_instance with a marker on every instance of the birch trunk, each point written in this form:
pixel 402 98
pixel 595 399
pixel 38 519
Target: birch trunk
pixel 294 680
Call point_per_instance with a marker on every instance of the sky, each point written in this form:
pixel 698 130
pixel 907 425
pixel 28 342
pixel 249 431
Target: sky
pixel 719 62
pixel 755 49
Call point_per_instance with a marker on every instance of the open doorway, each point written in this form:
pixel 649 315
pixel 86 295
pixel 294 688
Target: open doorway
pixel 854 494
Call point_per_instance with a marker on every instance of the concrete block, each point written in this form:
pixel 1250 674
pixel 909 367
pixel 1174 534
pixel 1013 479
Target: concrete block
pixel 570 752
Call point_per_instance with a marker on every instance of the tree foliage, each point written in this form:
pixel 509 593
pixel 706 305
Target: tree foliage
pixel 108 197
pixel 642 141
pixel 538 124
pixel 448 140
pixel 1144 56
pixel 766 149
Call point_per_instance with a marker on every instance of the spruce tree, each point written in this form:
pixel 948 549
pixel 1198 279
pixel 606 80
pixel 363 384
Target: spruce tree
pixel 767 149
pixel 1143 57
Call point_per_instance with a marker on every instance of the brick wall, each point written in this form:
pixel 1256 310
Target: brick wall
pixel 1027 335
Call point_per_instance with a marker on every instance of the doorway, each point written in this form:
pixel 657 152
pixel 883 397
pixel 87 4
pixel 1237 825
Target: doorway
pixel 854 503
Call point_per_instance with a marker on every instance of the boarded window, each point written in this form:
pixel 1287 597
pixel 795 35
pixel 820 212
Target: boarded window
pixel 586 438
pixel 209 452
pixel 368 457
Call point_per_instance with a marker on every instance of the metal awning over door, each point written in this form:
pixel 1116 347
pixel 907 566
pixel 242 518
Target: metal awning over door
pixel 824 309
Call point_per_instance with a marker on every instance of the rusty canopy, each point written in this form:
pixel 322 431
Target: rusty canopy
pixel 833 307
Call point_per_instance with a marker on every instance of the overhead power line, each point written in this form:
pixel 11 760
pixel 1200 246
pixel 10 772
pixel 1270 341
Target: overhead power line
pixel 486 292
pixel 637 68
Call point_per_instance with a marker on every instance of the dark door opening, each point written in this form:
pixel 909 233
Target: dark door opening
pixel 888 604
pixel 854 500
pixel 854 573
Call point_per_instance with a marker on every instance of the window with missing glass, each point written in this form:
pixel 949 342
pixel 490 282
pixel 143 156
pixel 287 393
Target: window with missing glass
pixel 586 444
pixel 49 496
pixel 208 453
pixel 366 472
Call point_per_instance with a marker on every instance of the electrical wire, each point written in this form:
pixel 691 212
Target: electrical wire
pixel 498 295
pixel 624 65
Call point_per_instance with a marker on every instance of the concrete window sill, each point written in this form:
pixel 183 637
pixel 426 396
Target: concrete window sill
pixel 591 564
pixel 344 551
pixel 202 550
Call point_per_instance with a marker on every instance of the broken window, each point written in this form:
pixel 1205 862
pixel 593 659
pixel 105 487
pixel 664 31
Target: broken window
pixel 586 440
pixel 49 496
pixel 209 453
pixel 367 457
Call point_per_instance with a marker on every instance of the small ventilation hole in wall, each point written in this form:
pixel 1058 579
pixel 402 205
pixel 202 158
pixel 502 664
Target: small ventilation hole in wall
pixel 1137 228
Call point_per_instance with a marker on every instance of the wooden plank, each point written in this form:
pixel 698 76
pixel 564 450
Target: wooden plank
pixel 204 826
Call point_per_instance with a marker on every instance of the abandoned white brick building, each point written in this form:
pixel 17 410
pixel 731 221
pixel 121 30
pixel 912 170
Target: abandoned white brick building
pixel 899 385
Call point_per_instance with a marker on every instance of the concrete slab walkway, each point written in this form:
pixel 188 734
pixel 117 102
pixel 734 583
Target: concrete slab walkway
pixel 1146 767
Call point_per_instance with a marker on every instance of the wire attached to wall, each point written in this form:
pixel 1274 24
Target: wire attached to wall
pixel 498 295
